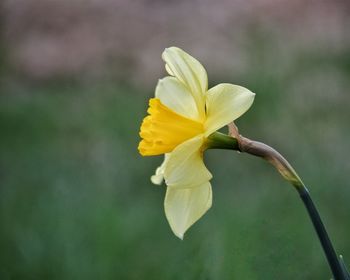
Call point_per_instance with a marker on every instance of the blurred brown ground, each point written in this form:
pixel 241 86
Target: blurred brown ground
pixel 122 40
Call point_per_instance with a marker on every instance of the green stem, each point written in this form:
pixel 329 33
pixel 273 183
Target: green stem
pixel 322 234
pixel 286 170
pixel 218 140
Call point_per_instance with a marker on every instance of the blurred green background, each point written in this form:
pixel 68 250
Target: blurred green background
pixel 76 201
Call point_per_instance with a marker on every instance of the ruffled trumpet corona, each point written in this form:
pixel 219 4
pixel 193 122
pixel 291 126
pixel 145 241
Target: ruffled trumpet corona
pixel 180 120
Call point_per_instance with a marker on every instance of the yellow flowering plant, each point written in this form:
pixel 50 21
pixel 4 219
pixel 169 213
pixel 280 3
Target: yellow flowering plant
pixel 182 117
pixel 182 123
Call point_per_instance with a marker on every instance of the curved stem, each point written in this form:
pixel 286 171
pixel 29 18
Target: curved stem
pixel 286 170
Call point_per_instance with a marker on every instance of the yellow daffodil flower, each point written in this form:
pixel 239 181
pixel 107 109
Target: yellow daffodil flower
pixel 183 114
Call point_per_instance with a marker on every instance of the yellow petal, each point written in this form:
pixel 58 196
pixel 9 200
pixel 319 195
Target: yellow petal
pixel 175 95
pixel 189 71
pixel 185 167
pixel 158 177
pixel 225 103
pixel 183 207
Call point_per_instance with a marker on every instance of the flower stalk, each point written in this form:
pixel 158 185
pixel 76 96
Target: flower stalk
pixel 286 170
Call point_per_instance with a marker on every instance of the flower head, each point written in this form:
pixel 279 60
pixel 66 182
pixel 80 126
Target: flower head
pixel 183 114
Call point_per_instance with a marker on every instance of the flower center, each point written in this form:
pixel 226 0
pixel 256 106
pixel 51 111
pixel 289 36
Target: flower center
pixel 163 129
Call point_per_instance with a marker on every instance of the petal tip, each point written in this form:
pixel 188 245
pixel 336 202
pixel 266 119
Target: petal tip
pixel 171 48
pixel 166 50
pixel 178 234
pixel 181 236
pixel 157 179
pixel 174 50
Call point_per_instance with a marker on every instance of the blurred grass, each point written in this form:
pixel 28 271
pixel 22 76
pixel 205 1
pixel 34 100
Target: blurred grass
pixel 76 201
